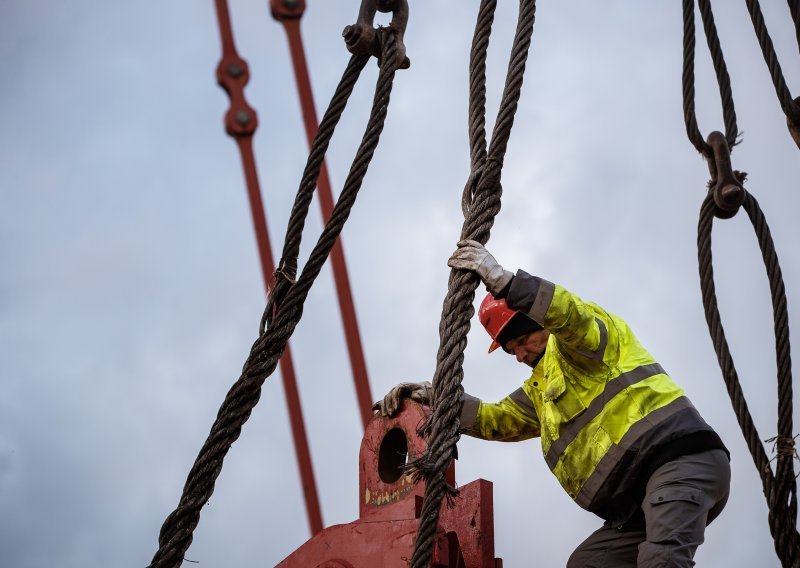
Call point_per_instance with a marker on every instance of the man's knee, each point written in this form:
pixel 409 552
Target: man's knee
pixel 581 558
pixel 667 555
pixel 607 547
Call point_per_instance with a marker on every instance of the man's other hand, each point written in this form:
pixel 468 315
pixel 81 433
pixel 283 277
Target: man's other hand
pixel 420 392
pixel 472 255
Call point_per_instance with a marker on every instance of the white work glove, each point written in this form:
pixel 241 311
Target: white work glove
pixel 472 255
pixel 420 392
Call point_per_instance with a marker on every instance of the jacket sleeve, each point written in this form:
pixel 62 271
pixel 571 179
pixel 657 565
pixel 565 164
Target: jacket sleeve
pixel 581 330
pixel 512 419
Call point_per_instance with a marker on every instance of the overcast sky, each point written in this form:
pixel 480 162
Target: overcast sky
pixel 131 293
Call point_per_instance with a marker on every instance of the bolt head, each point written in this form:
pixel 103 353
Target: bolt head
pixel 235 70
pixel 242 117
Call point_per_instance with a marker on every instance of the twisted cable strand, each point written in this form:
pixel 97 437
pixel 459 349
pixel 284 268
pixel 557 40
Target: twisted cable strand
pixel 721 70
pixel 481 205
pixel 789 107
pixel 176 533
pixel 794 8
pixel 689 114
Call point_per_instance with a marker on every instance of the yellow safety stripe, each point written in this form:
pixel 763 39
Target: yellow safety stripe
pixel 586 493
pixel 601 439
pixel 595 408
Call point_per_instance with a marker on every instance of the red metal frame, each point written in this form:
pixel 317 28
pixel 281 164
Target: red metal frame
pixel 390 504
pixel 241 122
pixel 289 13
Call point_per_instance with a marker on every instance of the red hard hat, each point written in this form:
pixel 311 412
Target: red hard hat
pixel 495 315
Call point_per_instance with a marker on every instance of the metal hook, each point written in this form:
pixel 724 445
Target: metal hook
pixel 361 39
pixel 726 184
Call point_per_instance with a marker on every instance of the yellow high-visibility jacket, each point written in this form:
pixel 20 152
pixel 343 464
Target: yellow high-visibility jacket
pixel 607 413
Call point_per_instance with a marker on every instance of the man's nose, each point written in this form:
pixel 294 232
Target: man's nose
pixel 520 355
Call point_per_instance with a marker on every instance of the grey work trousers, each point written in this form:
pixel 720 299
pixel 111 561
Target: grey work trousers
pixel 682 497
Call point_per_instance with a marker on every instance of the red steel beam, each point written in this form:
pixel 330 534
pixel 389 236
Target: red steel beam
pixel 241 122
pixel 289 12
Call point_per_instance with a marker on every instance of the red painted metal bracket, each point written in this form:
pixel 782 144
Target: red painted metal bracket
pixel 389 507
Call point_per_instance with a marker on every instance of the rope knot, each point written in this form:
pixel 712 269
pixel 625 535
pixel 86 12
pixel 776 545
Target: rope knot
pixel 470 188
pixel 482 177
pixel 784 447
pixel 283 280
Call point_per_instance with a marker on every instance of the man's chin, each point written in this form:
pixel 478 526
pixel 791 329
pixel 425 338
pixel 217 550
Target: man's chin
pixel 533 362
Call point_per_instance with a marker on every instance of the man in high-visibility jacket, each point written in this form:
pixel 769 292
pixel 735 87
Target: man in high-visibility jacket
pixel 621 437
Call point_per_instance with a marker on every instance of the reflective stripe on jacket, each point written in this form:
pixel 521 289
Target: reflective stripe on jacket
pixel 600 402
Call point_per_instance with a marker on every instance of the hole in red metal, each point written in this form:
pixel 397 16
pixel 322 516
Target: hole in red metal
pixel 392 455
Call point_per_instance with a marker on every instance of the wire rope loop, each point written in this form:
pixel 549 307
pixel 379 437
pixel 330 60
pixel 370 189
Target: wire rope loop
pixel 480 203
pixel 277 325
pixel 779 488
pixel 720 69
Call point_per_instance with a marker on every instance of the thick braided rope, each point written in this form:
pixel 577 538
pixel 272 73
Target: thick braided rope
pixel 480 207
pixel 721 70
pixel 780 489
pixel 789 107
pixel 723 80
pixel 308 183
pixel 794 8
pixel 176 533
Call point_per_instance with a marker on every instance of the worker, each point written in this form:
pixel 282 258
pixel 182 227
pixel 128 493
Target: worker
pixel 620 436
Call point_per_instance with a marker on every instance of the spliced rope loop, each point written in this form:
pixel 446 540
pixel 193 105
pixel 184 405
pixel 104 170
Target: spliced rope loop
pixel 779 488
pixel 285 304
pixel 480 203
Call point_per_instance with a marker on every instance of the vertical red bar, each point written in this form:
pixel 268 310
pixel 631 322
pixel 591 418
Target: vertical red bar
pixel 241 122
pixel 289 12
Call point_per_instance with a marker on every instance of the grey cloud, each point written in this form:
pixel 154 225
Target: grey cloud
pixel 131 292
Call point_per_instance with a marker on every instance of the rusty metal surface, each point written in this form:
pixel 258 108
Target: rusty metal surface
pixel 389 507
pixel 726 184
pixel 361 38
pixel 241 122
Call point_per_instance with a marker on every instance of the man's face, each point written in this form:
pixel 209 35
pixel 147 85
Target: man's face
pixel 528 348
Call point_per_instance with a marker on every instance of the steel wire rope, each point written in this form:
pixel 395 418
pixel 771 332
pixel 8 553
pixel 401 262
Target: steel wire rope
pixel 794 8
pixel 780 488
pixel 282 312
pixel 789 105
pixel 480 204
pixel 720 68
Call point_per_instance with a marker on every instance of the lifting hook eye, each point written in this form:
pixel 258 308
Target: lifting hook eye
pixel 361 38
pixel 726 184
